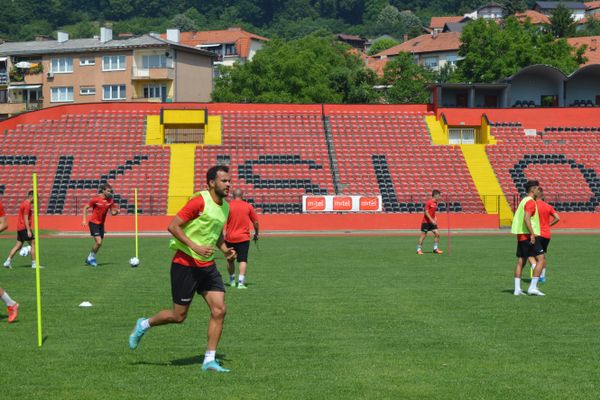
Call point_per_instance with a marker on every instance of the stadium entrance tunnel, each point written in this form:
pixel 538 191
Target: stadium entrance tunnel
pixel 517 174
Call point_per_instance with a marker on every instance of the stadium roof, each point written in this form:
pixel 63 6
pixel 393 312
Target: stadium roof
pixel 90 45
pixel 539 68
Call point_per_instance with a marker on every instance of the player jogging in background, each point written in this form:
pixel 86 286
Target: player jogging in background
pixel 100 205
pixel 24 230
pixel 237 235
pixel 526 225
pixel 12 307
pixel 546 211
pixel 429 223
pixel 198 231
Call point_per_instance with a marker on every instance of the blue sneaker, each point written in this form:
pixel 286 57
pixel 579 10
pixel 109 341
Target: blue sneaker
pixel 136 334
pixel 213 366
pixel 91 262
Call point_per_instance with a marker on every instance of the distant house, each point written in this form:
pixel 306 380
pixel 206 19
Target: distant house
pixel 437 23
pixel 355 41
pixel 535 17
pixel 592 7
pixel 433 51
pixel 488 11
pixel 40 74
pixel 454 27
pixel 546 7
pixel 592 52
pixel 231 45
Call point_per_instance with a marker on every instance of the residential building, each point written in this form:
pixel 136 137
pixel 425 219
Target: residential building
pixel 353 40
pixel 437 24
pixel 592 7
pixel 231 45
pixel 592 51
pixel 488 11
pixel 40 74
pixel 546 7
pixel 535 17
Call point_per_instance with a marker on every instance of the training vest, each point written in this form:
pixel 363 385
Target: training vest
pixel 204 230
pixel 518 224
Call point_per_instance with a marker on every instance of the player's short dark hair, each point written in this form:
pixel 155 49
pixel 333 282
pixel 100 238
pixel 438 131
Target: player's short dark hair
pixel 435 192
pixel 30 193
pixel 530 184
pixel 540 190
pixel 211 174
pixel 104 186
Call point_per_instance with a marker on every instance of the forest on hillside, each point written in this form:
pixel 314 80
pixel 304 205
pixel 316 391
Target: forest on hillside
pixel 286 19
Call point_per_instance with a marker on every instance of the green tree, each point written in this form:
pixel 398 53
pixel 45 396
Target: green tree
pixel 314 69
pixel 491 51
pixel 408 81
pixel 562 23
pixel 184 23
pixel 382 44
pixel 512 7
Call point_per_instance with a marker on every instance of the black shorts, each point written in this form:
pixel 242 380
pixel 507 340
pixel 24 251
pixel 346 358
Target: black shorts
pixel 545 243
pixel 241 249
pixel 96 230
pixel 526 249
pixel 23 237
pixel 185 281
pixel 427 227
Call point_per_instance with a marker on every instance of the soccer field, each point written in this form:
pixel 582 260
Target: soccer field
pixel 323 318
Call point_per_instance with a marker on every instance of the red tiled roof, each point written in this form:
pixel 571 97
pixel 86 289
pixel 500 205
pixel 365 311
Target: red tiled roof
pixel 439 22
pixel 592 52
pixel 240 37
pixel 592 5
pixel 447 41
pixel 377 64
pixel 536 18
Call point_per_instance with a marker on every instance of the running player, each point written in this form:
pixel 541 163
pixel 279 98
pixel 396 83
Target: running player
pixel 24 231
pixel 429 223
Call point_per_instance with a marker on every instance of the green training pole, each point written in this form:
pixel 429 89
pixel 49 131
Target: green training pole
pixel 38 259
pixel 135 197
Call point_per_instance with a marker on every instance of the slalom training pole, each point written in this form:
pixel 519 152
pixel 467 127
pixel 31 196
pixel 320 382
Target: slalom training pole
pixel 135 201
pixel 448 216
pixel 38 260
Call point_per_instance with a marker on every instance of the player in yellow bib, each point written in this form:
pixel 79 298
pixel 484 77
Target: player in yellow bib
pixel 197 231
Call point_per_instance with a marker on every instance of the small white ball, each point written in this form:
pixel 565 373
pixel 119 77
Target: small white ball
pixel 25 250
pixel 134 261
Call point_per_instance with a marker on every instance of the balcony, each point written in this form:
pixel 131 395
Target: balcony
pixel 3 78
pixel 33 79
pixel 148 74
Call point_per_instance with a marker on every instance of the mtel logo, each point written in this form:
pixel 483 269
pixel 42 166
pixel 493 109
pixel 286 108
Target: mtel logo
pixel 342 203
pixel 315 203
pixel 368 204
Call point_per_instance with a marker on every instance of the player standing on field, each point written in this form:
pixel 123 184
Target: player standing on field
pixel 546 211
pixel 237 235
pixel 24 231
pixel 12 307
pixel 429 223
pixel 526 225
pixel 197 229
pixel 100 205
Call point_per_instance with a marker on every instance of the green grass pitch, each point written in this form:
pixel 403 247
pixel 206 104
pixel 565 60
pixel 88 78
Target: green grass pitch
pixel 323 318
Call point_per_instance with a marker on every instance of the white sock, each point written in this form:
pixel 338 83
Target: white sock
pixel 33 263
pixel 231 278
pixel 145 324
pixel 543 275
pixel 209 356
pixel 241 279
pixel 92 255
pixel 533 266
pixel 533 284
pixel 517 284
pixel 435 246
pixel 418 247
pixel 7 300
pixel 8 259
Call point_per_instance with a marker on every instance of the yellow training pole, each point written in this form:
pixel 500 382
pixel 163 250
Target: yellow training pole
pixel 136 221
pixel 38 259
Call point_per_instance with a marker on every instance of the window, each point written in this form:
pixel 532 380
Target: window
pixel 61 94
pixel 114 92
pixel 87 90
pixel 230 49
pixel 62 65
pixel 430 62
pixel 154 61
pixel 113 63
pixel 87 61
pixel 155 92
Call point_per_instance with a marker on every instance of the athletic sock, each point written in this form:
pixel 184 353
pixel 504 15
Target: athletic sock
pixel 231 278
pixel 241 279
pixel 33 263
pixel 145 324
pixel 543 275
pixel 209 356
pixel 533 284
pixel 533 266
pixel 435 246
pixel 517 284
pixel 418 247
pixel 7 300
pixel 92 255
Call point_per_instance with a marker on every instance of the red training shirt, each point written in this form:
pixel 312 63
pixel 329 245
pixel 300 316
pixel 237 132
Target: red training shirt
pixel 100 207
pixel 431 207
pixel 241 213
pixel 24 208
pixel 530 208
pixel 192 210
pixel 545 210
pixel 2 214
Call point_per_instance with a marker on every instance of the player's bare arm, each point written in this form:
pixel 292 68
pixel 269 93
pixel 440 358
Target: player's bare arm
pixel 3 223
pixel 527 219
pixel 84 212
pixel 228 251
